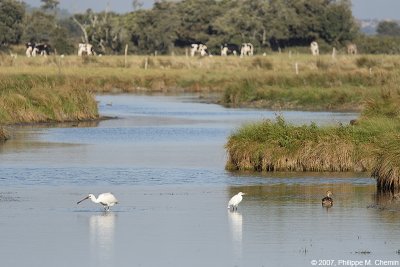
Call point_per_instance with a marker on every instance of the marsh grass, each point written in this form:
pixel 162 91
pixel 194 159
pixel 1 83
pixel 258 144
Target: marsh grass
pixel 279 146
pixel 25 99
pixel 372 144
pixel 387 167
pixel 269 82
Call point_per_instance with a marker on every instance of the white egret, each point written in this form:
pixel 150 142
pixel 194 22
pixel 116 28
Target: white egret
pixel 235 200
pixel 106 199
pixel 327 201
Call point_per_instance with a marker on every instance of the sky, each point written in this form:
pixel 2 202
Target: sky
pixel 362 9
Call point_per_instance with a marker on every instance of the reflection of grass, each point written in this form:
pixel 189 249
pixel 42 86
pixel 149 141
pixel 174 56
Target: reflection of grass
pixel 4 135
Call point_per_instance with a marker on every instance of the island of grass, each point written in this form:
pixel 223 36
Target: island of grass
pixel 370 144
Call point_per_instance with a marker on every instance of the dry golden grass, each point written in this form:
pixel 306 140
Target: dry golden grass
pixel 387 168
pixel 26 100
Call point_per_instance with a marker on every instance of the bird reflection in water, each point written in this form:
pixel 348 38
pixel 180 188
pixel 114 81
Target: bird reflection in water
pixel 102 235
pixel 235 223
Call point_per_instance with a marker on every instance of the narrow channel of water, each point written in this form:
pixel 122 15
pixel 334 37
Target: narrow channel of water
pixel 164 160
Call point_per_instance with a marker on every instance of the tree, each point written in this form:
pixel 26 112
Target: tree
pixel 11 22
pixel 49 4
pixel 389 28
pixel 338 24
pixel 103 30
pixel 155 29
pixel 136 5
pixel 39 27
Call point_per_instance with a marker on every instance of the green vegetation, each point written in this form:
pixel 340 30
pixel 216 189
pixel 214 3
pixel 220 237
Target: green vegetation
pixel 27 99
pixel 279 146
pixel 171 26
pixel 343 83
pixel 369 144
pixel 322 83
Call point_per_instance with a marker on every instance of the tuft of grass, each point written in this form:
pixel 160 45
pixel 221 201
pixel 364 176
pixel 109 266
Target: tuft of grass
pixel 279 146
pixel 262 63
pixel 387 167
pixel 366 62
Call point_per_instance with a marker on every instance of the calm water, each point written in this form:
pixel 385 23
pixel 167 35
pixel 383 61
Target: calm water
pixel 164 160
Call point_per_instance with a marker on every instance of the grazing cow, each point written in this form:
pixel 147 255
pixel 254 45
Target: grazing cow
pixel 29 49
pixel 351 49
pixel 85 49
pixel 229 49
pixel 314 48
pixel 33 49
pixel 247 49
pixel 198 48
pixel 42 49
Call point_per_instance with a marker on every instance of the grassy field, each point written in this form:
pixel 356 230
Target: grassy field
pixel 322 83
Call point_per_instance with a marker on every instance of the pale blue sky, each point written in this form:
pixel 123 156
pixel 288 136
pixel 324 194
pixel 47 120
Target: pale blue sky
pixel 363 9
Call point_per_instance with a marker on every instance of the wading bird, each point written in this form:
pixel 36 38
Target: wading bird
pixel 327 201
pixel 106 199
pixel 235 200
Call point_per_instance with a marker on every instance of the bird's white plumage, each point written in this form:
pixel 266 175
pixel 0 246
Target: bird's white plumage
pixel 106 199
pixel 235 200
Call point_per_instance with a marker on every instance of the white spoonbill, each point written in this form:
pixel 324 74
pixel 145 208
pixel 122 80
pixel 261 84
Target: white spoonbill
pixel 235 200
pixel 106 199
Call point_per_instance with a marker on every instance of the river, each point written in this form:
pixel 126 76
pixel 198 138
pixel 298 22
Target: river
pixel 163 157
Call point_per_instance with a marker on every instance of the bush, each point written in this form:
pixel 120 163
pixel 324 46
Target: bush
pixel 378 45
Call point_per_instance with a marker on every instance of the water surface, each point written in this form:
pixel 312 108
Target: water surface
pixel 164 160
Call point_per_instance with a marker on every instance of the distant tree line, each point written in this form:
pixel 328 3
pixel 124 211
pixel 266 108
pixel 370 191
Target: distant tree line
pixel 168 27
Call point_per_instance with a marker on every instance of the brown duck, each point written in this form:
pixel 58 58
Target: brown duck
pixel 327 201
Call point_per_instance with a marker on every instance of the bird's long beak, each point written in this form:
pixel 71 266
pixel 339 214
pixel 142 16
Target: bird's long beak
pixel 82 200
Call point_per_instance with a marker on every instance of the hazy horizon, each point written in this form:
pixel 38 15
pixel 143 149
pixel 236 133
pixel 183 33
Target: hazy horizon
pixel 362 9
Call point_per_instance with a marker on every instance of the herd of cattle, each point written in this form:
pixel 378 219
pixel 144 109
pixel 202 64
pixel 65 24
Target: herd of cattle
pixel 37 49
pixel 246 49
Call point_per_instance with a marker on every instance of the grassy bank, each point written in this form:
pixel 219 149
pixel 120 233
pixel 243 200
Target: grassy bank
pixel 322 83
pixel 279 146
pixel 369 145
pixel 31 99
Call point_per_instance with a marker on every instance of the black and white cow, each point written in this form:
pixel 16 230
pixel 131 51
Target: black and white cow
pixel 198 48
pixel 229 49
pixel 37 49
pixel 247 49
pixel 85 49
pixel 43 49
pixel 29 49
